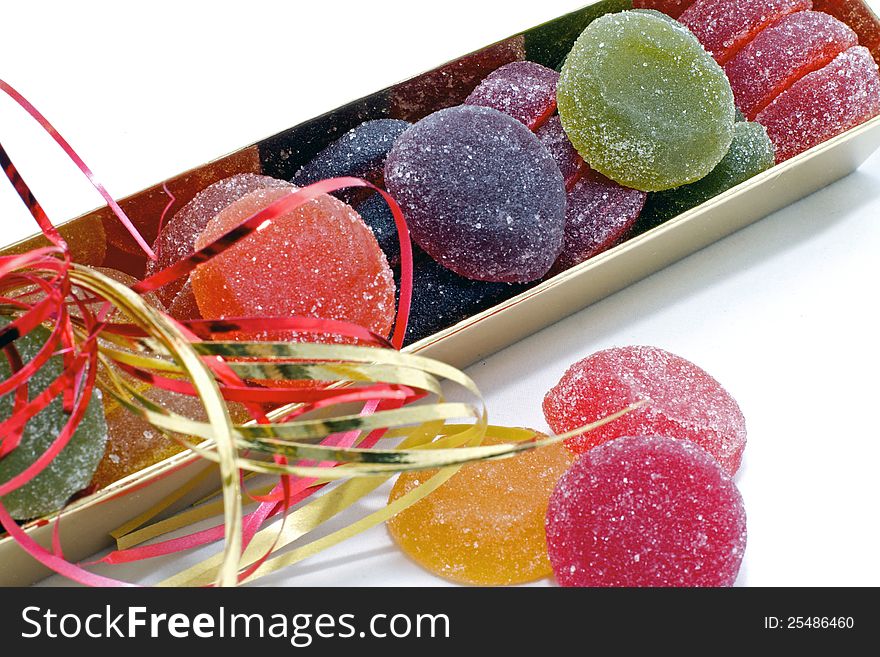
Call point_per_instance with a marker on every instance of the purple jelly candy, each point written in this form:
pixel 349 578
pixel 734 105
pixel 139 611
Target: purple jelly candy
pixel 524 90
pixel 480 193
pixel 599 213
pixel 570 163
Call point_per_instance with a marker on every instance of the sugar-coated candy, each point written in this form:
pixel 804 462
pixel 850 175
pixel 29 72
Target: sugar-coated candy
pixel 524 90
pixel 359 152
pixel 683 401
pixel 671 8
pixel 571 164
pixel 823 104
pixel 598 214
pixel 485 525
pixel 782 54
pixel 859 17
pixel 185 305
pixel 725 26
pixel 480 193
pixel 442 298
pixel 643 102
pixel 178 236
pixel 319 260
pixel 750 153
pixel 71 470
pixel 128 280
pixel 646 511
pixel 377 215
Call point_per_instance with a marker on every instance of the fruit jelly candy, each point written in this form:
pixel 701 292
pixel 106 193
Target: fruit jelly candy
pixel 598 214
pixel 750 153
pixel 643 102
pixel 359 152
pixel 859 17
pixel 524 90
pixel 319 260
pixel 185 305
pixel 450 84
pixel 377 215
pixel 72 469
pixel 725 26
pixel 571 164
pixel 128 280
pixel 671 8
pixel 683 402
pixel 823 104
pixel 178 236
pixel 484 526
pixel 782 54
pixel 646 511
pixel 481 194
pixel 442 298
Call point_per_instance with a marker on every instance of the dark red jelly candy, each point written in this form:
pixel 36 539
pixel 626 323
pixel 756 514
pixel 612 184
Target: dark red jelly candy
pixel 782 54
pixel 480 193
pixel 669 7
pixel 859 17
pixel 823 104
pixel 524 90
pixel 569 161
pixel 683 401
pixel 598 214
pixel 646 511
pixel 725 26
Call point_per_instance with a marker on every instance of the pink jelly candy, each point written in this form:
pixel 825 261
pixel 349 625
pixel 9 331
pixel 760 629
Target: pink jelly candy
pixel 859 17
pixel 823 104
pixel 646 511
pixel 683 401
pixel 178 236
pixel 598 214
pixel 669 7
pixel 569 161
pixel 782 54
pixel 725 26
pixel 524 90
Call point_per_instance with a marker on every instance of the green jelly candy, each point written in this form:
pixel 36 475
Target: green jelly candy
pixel 644 103
pixel 751 152
pixel 73 468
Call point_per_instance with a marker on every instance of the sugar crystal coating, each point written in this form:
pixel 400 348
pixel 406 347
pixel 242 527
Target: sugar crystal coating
pixel 71 470
pixel 480 193
pixel 377 215
pixel 178 236
pixel 643 103
pixel 320 260
pixel 750 153
pixel 524 90
pixel 782 54
pixel 859 17
pixel 485 525
pixel 359 152
pixel 824 104
pixel 725 26
pixel 599 213
pixel 683 401
pixel 571 164
pixel 646 511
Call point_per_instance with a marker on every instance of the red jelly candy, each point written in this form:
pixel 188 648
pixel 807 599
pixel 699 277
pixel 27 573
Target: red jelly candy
pixel 858 16
pixel 524 90
pixel 725 26
pixel 569 161
pixel 823 104
pixel 646 511
pixel 683 401
pixel 669 7
pixel 598 214
pixel 782 54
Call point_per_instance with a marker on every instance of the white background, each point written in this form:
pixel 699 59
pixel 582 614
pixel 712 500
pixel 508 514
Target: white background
pixel 782 313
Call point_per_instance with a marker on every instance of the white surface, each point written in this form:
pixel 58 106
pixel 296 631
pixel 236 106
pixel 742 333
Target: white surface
pixel 782 313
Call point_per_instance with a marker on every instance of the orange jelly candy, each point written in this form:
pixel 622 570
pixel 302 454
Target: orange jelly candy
pixel 485 526
pixel 319 260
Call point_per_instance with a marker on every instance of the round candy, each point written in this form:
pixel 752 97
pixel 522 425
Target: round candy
pixel 643 102
pixel 71 470
pixel 646 511
pixel 571 164
pixel 480 193
pixel 524 90
pixel 485 525
pixel 683 401
pixel 750 153
pixel 320 260
pixel 376 213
